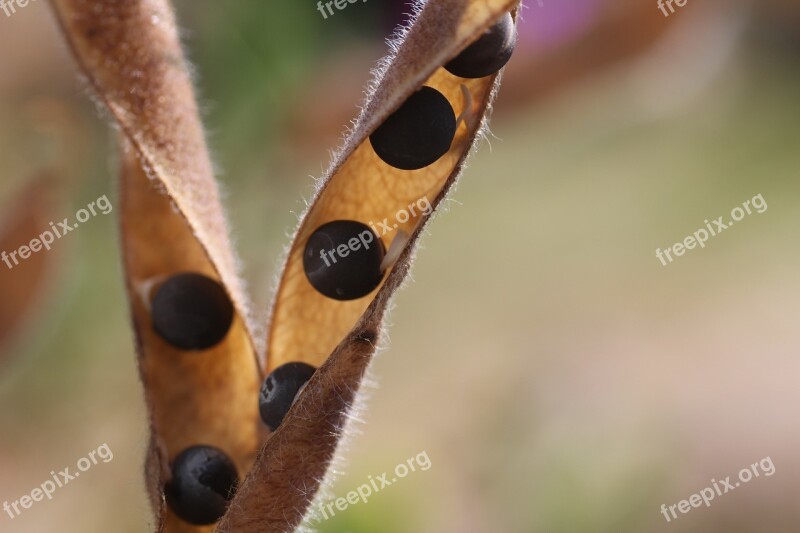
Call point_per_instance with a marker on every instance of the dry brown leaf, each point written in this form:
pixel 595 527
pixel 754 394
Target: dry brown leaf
pixel 307 326
pixel 172 222
pixel 22 284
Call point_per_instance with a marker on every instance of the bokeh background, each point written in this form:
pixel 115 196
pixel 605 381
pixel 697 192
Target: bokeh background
pixel 559 378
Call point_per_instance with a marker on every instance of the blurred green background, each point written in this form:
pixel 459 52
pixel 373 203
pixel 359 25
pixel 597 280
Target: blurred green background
pixel 559 378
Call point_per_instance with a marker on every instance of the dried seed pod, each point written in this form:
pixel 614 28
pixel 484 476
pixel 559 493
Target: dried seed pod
pixel 342 259
pixel 340 338
pixel 192 311
pixel 280 390
pixel 489 53
pixel 204 480
pixel 418 133
pixel 306 325
pixel 171 221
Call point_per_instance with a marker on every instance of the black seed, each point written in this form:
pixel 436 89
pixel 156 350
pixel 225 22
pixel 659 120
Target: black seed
pixel 192 311
pixel 279 390
pixel 342 259
pixel 489 53
pixel 204 480
pixel 418 133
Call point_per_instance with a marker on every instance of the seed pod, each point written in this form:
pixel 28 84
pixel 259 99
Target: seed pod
pixel 418 133
pixel 171 221
pixel 340 338
pixel 342 259
pixel 192 311
pixel 204 480
pixel 489 53
pixel 280 389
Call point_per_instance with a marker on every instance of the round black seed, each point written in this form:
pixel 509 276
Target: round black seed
pixel 204 480
pixel 279 390
pixel 342 259
pixel 418 133
pixel 489 53
pixel 192 311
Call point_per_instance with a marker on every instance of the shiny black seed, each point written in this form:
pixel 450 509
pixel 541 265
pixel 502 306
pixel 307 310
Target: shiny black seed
pixel 342 259
pixel 192 311
pixel 279 390
pixel 204 480
pixel 418 133
pixel 489 53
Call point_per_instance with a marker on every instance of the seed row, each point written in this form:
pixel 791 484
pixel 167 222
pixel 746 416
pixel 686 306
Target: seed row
pixel 193 312
pixel 415 136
